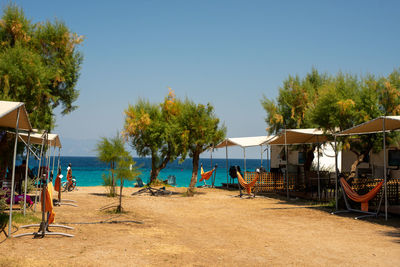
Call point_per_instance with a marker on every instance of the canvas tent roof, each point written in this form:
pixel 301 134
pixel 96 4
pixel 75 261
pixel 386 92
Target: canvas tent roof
pixel 37 138
pixel 374 126
pixel 299 136
pixel 8 115
pixel 244 141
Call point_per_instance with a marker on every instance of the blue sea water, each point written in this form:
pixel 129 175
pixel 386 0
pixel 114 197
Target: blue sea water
pixel 88 170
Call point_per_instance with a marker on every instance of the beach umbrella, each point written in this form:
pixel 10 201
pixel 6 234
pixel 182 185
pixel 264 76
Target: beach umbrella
pixel 381 124
pixel 14 115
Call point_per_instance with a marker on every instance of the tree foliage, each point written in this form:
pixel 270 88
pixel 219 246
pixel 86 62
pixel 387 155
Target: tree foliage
pixel 111 151
pixel 200 131
pixel 126 170
pixel 172 129
pixel 335 103
pixel 153 130
pixel 39 65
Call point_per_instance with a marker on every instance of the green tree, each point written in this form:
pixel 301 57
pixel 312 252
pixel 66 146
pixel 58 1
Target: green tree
pixel 200 130
pixel 335 103
pixel 39 65
pixel 126 170
pixel 294 105
pixel 111 151
pixel 153 130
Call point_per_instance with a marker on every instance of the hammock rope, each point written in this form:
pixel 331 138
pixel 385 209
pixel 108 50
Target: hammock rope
pixel 247 186
pixel 363 199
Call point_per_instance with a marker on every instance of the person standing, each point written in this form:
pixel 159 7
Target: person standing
pixel 69 176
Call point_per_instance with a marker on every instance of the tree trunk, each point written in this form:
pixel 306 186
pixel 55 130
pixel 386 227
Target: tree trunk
pixel 195 170
pixel 155 170
pixel 112 178
pixel 119 208
pixel 360 158
pixel 309 158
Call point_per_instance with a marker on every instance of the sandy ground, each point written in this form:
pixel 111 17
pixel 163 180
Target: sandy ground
pixel 213 228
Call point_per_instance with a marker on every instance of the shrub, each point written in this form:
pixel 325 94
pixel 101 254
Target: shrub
pixel 108 184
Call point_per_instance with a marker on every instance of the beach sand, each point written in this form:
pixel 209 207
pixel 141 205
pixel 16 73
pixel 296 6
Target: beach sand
pixel 213 228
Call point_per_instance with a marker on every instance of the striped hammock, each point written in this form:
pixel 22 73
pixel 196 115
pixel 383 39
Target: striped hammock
pixel 247 186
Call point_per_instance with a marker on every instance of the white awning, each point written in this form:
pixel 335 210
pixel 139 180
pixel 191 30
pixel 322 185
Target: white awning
pixel 8 115
pixel 299 136
pixel 374 126
pixel 37 139
pixel 245 141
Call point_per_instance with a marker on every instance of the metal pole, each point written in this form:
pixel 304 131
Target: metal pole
pixel 58 163
pixel 287 162
pixel 261 155
pixel 384 166
pixel 48 159
pixel 26 170
pixel 269 158
pixel 227 169
pixel 244 153
pixel 211 151
pixel 54 159
pixel 336 176
pixel 13 173
pixel 39 173
pixel 319 182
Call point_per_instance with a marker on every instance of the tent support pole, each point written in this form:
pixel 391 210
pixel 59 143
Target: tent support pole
pixel 13 173
pixel 244 154
pixel 261 155
pixel 287 164
pixel 54 159
pixel 26 170
pixel 39 174
pixel 336 176
pixel 384 166
pixel 227 169
pixel 319 182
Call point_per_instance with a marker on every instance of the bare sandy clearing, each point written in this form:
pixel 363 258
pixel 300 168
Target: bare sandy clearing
pixel 212 228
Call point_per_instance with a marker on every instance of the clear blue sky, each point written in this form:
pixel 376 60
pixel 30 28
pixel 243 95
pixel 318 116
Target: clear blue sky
pixel 228 53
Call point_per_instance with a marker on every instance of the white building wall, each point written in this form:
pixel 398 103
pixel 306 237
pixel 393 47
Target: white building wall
pixel 327 157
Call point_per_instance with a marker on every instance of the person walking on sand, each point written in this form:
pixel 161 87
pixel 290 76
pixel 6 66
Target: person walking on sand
pixel 69 176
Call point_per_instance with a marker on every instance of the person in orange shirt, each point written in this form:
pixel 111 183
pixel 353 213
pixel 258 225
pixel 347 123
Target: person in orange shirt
pixel 69 175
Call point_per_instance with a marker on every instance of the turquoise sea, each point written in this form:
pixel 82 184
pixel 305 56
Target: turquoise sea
pixel 88 170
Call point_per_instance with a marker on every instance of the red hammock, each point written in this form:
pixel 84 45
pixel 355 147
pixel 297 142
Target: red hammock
pixel 206 175
pixel 247 186
pixel 356 197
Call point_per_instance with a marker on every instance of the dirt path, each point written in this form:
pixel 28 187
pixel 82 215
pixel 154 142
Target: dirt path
pixel 212 228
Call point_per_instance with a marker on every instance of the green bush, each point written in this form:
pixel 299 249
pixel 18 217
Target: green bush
pixel 30 186
pixel 108 184
pixel 3 204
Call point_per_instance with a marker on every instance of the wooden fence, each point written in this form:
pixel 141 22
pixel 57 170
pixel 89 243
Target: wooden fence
pixel 270 182
pixel 275 182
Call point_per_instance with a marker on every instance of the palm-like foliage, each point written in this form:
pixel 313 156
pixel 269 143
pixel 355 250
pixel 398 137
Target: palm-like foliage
pixel 126 170
pixel 110 151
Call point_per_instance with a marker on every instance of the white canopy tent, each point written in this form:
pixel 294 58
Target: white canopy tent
pixel 381 124
pixel 38 138
pixel 243 142
pixel 14 115
pixel 297 137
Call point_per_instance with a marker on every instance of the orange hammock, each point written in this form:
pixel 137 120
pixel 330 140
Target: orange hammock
pixel 206 175
pixel 49 201
pixel 247 186
pixel 356 197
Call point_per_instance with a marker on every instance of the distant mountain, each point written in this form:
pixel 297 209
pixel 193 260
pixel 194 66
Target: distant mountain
pixel 75 147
